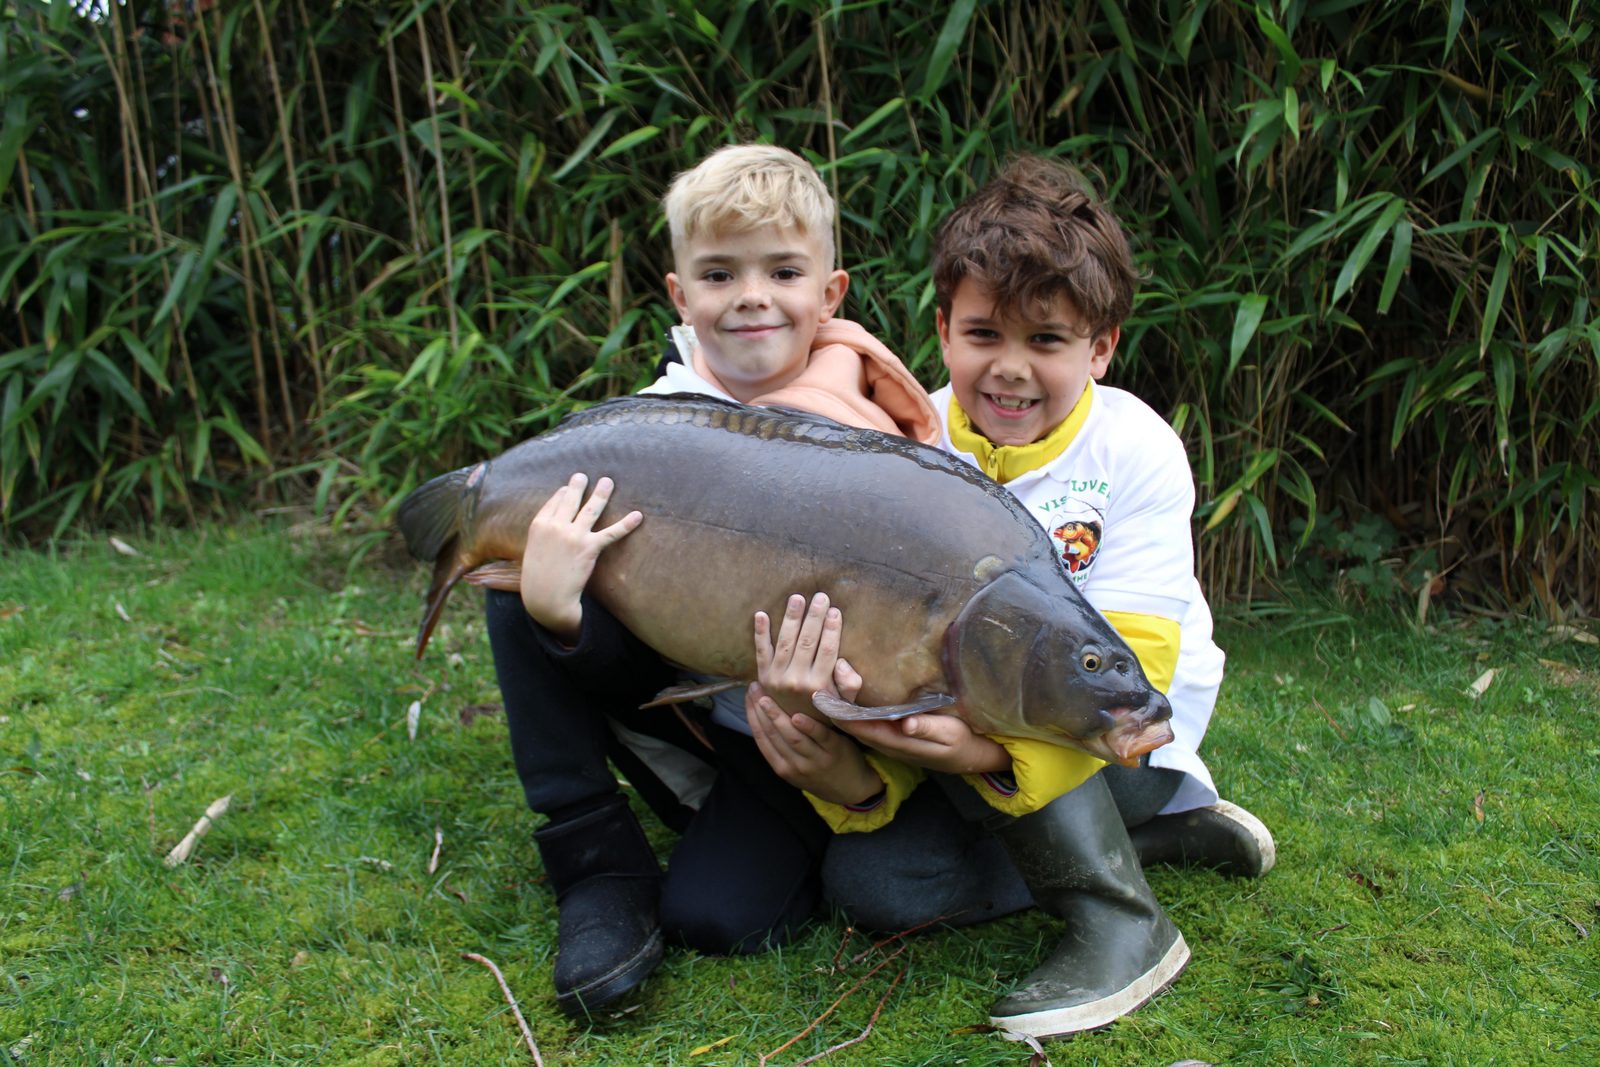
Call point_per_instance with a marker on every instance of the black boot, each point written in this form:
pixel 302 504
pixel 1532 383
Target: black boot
pixel 1224 837
pixel 608 887
pixel 1120 949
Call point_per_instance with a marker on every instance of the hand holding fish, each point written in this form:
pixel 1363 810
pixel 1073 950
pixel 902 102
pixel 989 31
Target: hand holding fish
pixel 561 551
pixel 805 656
pixel 798 743
pixel 936 742
pixel 808 753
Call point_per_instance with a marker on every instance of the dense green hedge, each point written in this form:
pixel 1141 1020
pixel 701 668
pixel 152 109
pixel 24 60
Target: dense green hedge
pixel 278 249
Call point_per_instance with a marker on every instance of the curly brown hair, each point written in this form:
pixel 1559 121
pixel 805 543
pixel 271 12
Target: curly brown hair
pixel 1034 232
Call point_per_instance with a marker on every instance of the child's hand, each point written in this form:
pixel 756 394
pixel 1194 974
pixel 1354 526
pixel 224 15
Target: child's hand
pixel 808 753
pixel 805 657
pixel 937 742
pixel 561 552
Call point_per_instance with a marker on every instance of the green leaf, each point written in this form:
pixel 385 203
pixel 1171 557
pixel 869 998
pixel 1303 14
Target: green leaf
pixel 1492 303
pixel 586 145
pixel 14 132
pixel 872 120
pixel 1245 321
pixel 630 140
pixel 1399 264
pixel 944 48
pixel 1362 253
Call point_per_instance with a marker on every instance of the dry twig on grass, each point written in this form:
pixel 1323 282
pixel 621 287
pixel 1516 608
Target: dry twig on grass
pixel 890 958
pixel 182 849
pixel 527 1035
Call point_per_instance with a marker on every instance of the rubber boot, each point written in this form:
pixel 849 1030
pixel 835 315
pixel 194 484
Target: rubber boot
pixel 1120 949
pixel 608 888
pixel 1223 837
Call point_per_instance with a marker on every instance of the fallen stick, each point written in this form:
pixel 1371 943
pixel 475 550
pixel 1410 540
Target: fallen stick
pixel 438 843
pixel 832 1007
pixel 182 849
pixel 527 1035
pixel 864 1034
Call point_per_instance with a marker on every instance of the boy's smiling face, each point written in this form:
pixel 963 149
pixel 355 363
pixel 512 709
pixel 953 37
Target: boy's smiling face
pixel 1017 376
pixel 755 299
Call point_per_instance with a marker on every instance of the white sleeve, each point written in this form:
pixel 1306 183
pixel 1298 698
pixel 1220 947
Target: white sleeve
pixel 1146 565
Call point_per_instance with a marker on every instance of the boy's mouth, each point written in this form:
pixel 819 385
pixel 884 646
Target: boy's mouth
pixel 1011 404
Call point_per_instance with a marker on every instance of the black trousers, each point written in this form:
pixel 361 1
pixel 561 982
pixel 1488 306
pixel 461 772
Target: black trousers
pixel 745 873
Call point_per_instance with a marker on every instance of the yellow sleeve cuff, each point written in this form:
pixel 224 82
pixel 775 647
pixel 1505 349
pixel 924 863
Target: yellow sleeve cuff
pixel 899 779
pixel 1042 771
pixel 1154 639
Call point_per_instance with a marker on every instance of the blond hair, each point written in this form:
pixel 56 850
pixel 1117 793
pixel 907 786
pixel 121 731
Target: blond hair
pixel 739 188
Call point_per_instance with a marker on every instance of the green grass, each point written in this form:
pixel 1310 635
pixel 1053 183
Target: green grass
pixel 1400 927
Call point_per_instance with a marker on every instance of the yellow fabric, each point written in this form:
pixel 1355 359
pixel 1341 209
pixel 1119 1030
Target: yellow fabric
pixel 899 779
pixel 1154 639
pixel 1005 462
pixel 1043 771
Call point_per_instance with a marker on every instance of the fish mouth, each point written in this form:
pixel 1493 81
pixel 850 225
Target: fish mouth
pixel 1136 732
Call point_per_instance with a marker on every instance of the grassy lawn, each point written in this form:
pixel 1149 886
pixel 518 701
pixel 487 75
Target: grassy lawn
pixel 1436 901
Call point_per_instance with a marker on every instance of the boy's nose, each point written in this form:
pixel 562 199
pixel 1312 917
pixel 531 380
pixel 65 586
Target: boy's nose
pixel 1010 364
pixel 754 294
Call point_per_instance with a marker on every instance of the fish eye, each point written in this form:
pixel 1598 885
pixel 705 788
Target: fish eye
pixel 1091 662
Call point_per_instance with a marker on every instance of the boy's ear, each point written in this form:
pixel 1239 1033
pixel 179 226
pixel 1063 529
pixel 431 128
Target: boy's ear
pixel 833 294
pixel 942 324
pixel 680 299
pixel 1104 347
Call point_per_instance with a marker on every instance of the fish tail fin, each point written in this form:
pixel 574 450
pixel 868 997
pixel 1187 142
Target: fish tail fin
pixel 502 574
pixel 430 515
pixel 447 571
pixel 430 520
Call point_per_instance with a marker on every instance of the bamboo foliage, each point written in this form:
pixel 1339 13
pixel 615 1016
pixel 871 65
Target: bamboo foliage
pixel 270 249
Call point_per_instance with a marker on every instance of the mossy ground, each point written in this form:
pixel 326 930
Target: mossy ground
pixel 1436 901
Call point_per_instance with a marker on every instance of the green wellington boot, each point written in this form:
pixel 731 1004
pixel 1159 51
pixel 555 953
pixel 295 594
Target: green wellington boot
pixel 1120 949
pixel 608 890
pixel 1223 837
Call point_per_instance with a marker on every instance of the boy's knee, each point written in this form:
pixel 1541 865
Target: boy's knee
pixel 732 925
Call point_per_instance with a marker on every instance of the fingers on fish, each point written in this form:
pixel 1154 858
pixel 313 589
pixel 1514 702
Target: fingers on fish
pixel 836 708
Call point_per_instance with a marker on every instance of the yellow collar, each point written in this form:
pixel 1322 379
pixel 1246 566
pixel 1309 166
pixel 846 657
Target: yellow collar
pixel 1005 462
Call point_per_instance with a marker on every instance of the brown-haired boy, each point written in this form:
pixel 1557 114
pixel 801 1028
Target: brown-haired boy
pixel 1033 278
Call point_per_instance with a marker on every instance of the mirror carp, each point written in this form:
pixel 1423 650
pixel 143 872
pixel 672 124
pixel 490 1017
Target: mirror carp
pixel 952 595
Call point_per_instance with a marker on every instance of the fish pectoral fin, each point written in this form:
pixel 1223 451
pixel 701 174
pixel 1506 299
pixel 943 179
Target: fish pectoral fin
pixel 502 574
pixel 835 708
pixel 683 694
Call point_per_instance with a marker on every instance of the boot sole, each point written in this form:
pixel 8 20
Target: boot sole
pixel 1265 845
pixel 1060 1022
pixel 615 984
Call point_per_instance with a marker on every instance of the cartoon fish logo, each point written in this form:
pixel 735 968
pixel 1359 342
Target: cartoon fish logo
pixel 1080 540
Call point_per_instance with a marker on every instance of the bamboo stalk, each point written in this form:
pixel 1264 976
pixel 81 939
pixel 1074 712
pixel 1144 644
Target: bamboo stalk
pixel 827 125
pixel 308 310
pixel 230 146
pixel 401 137
pixel 333 168
pixel 438 173
pixel 472 178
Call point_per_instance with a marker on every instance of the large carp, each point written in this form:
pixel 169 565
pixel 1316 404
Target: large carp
pixel 951 591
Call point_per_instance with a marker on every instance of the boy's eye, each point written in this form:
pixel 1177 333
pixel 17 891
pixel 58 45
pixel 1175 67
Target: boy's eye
pixel 978 333
pixel 717 276
pixel 787 274
pixel 1046 338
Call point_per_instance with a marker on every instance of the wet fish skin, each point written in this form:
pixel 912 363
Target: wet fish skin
pixel 947 582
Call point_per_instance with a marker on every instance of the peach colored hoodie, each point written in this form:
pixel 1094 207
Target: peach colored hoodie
pixel 852 378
